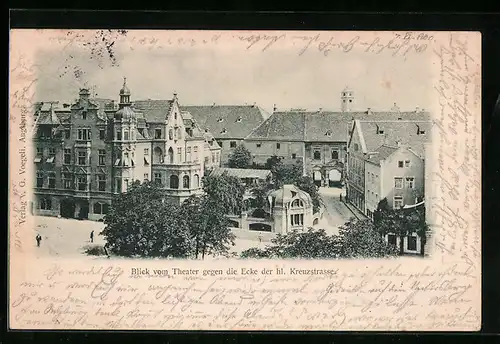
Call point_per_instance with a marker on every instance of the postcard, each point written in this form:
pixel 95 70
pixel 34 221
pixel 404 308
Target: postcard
pixel 245 180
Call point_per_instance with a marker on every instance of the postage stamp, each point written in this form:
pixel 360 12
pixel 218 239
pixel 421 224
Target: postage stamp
pixel 245 180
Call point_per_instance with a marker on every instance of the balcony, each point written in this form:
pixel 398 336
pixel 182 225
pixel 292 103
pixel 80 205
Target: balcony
pixel 83 144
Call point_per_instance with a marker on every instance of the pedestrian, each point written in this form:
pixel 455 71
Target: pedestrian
pixel 92 236
pixel 38 240
pixel 340 197
pixel 260 238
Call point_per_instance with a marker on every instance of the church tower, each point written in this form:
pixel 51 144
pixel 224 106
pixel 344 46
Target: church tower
pixel 346 100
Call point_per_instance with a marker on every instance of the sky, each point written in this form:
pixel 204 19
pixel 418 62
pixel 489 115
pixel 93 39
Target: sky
pixel 232 76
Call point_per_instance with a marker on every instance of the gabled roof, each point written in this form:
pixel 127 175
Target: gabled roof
pixel 394 132
pixel 227 121
pixel 322 126
pixel 281 126
pixel 155 111
pixel 381 153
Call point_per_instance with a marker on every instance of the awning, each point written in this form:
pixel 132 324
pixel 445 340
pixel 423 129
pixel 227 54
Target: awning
pixel 50 160
pixel 117 162
pixel 38 159
pixel 126 162
pixel 146 160
pixel 133 162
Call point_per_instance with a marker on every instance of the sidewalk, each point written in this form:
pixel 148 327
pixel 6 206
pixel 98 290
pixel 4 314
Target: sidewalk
pixel 357 214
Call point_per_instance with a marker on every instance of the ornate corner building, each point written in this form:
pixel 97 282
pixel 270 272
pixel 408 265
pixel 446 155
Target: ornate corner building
pixel 89 151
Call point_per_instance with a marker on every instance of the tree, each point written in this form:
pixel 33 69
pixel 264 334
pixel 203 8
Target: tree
pixel 306 184
pixel 359 239
pixel 225 190
pixel 208 225
pixel 272 162
pixel 141 223
pixel 286 174
pixel 240 157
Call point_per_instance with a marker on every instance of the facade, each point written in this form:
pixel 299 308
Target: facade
pixel 317 138
pixel 291 209
pixel 93 149
pixel 229 124
pixel 386 159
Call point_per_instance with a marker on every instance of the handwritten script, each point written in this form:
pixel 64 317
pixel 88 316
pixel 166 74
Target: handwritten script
pixel 289 296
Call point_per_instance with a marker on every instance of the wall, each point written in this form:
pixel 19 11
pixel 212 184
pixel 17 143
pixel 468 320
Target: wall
pixel 372 187
pixel 269 148
pixel 391 170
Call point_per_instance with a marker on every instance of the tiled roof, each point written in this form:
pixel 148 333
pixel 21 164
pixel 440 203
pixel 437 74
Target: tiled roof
pixel 47 115
pixel 155 111
pixel 241 172
pixel 382 153
pixel 281 126
pixel 322 126
pixel 404 132
pixel 227 121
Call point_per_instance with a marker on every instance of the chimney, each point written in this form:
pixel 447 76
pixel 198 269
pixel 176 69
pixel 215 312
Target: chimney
pixel 395 108
pixel 320 109
pixel 417 109
pixel 274 108
pixel 213 104
pixel 369 111
pixel 254 104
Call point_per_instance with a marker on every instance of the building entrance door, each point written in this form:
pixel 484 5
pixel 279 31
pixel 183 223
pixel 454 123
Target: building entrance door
pixel 67 208
pixel 334 178
pixel 317 178
pixel 84 210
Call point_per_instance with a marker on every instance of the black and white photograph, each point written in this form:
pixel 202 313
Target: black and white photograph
pixel 281 179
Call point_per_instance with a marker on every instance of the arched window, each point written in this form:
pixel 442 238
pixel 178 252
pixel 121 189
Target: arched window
pixel 335 154
pixel 174 182
pixel 185 182
pixel 297 203
pixel 170 155
pixel 317 155
pixel 158 156
pixel 170 134
pixel 196 181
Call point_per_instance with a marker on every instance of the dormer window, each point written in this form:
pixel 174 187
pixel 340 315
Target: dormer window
pixel 420 131
pixel 220 120
pixel 328 133
pixel 238 120
pixel 380 131
pixel 223 131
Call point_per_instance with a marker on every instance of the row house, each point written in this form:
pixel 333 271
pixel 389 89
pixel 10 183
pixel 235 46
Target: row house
pixel 386 159
pixel 93 149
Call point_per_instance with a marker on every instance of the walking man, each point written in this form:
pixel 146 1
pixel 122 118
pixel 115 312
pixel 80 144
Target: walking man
pixel 92 236
pixel 340 197
pixel 38 240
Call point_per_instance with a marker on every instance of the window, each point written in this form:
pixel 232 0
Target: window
pixel 294 155
pixel 67 180
pixel 411 243
pixel 84 114
pixel 84 134
pixel 232 144
pixel 67 133
pixel 196 180
pixel 102 157
pixel 317 155
pixel 398 202
pixel 335 154
pixel 46 204
pixel 126 161
pixel 170 134
pixel 125 181
pixel 407 163
pixel 119 135
pixel 297 203
pixel 101 182
pixel 188 154
pixel 125 135
pixel 82 183
pixel 67 156
pixel 157 133
pixel 102 134
pixel 278 145
pixel 146 177
pixel 410 182
pixel 297 219
pixel 185 182
pixel 52 151
pixel 220 143
pixel 174 182
pixel 82 158
pixel 391 239
pixel 400 164
pixel 350 100
pixel 157 178
pixel 101 208
pixel 118 184
pixel 398 182
pixel 39 151
pixel 52 180
pixel 39 179
pixel 356 147
pixel 213 157
pixel 258 145
pixel 146 151
pixel 195 153
pixel 179 154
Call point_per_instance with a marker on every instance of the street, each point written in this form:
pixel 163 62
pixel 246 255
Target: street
pixel 335 212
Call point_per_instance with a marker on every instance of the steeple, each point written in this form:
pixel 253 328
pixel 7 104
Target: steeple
pixel 124 95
